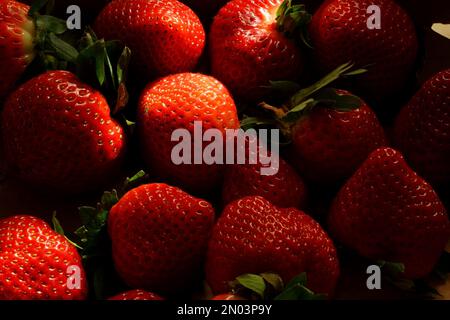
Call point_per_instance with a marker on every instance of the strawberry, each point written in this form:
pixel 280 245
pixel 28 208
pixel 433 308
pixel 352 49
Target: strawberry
pixel 247 239
pixel 165 37
pixel 332 131
pixel 36 263
pixel 17 32
pixel 250 45
pixel 136 295
pixel 58 134
pixel 329 144
pixel 159 237
pixel 176 102
pixel 339 33
pixel 387 212
pixel 284 189
pixel 422 130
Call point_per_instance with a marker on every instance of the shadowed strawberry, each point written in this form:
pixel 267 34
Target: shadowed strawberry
pixel 284 188
pixel 331 131
pixel 58 134
pixel 422 130
pixel 252 43
pixel 159 237
pixel 387 212
pixel 136 295
pixel 340 32
pixel 176 102
pixel 36 263
pixel 247 239
pixel 165 37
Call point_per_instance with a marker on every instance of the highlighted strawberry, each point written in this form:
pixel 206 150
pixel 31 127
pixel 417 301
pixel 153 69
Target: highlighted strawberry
pixel 165 37
pixel 36 263
pixel 136 295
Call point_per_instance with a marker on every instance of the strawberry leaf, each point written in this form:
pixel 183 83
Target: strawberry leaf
pixel 253 282
pixel 274 280
pixel 341 71
pixel 296 290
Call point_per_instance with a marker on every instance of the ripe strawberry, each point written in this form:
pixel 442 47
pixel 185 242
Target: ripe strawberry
pixel 339 32
pixel 329 144
pixel 165 37
pixel 422 130
pixel 284 189
pixel 247 239
pixel 136 295
pixel 159 237
pixel 58 134
pixel 249 45
pixel 36 262
pixel 387 212
pixel 175 102
pixel 332 131
pixel 17 34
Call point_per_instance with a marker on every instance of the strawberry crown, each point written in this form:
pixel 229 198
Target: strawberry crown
pixel 101 64
pixel 303 101
pixel 292 20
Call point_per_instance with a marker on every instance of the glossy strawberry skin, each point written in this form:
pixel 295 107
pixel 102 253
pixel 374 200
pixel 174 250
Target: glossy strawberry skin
pixel 58 134
pixel 247 50
pixel 284 189
pixel 248 239
pixel 166 37
pixel 175 102
pixel 328 145
pixel 422 130
pixel 137 295
pixel 159 237
pixel 34 260
pixel 17 33
pixel 339 34
pixel 387 212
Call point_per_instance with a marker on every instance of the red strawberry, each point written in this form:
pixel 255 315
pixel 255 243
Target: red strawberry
pixel 58 134
pixel 249 47
pixel 339 33
pixel 159 237
pixel 284 189
pixel 36 263
pixel 422 130
pixel 254 236
pixel 329 144
pixel 136 295
pixel 387 212
pixel 17 35
pixel 165 37
pixel 175 102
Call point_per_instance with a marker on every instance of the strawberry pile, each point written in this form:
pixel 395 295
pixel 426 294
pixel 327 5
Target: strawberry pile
pixel 363 165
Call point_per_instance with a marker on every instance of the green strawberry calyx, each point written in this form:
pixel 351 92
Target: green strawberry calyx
pixel 292 20
pixel 99 63
pixel 270 286
pixel 304 100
